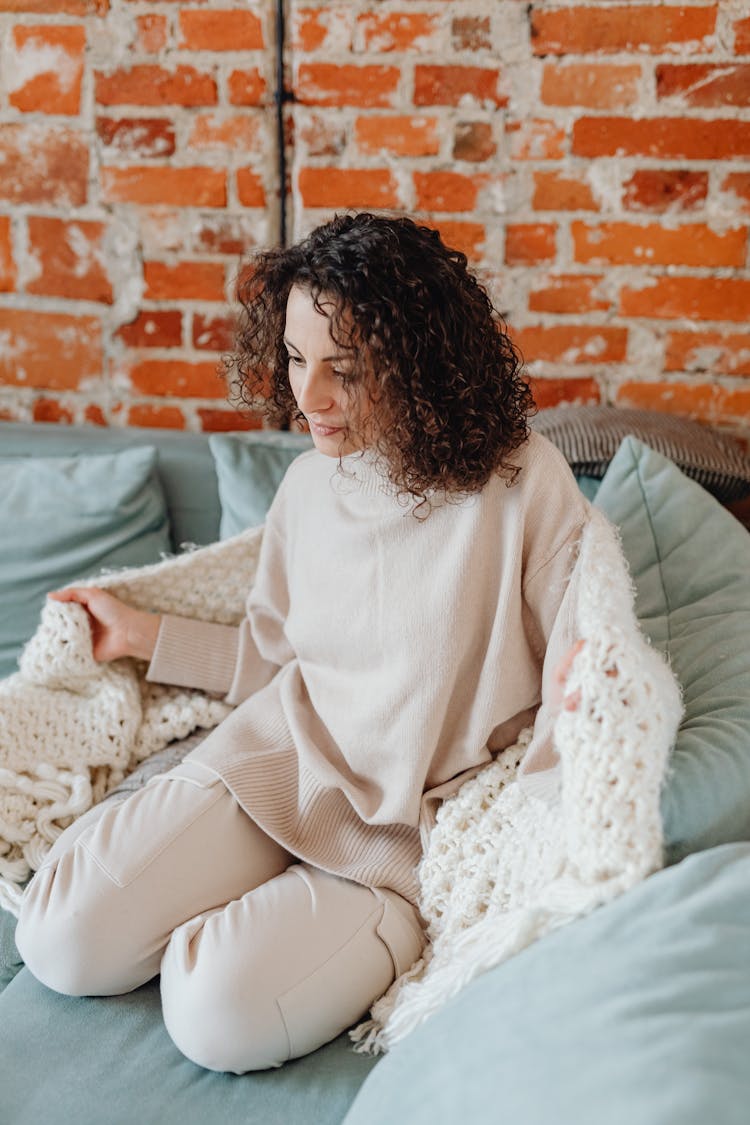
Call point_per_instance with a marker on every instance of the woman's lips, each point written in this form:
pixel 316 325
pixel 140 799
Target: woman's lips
pixel 324 431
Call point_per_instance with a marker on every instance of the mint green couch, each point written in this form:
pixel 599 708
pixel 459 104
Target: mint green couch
pixel 638 1014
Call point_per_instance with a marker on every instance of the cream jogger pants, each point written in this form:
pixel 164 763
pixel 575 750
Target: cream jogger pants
pixel 262 958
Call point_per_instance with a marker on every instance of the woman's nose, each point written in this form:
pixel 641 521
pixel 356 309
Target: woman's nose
pixel 315 391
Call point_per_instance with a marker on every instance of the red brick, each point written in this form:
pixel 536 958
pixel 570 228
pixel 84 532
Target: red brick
pixel 309 28
pixel 184 281
pixel 70 258
pixel 239 133
pixel 463 235
pixel 246 87
pixel 656 189
pixel 225 234
pixel 162 231
pixel 452 85
pixel 227 420
pixel 151 33
pixel 50 410
pixel 397 31
pixel 322 136
pixel 716 353
pixel 471 33
pixel 644 27
pixel 568 293
pixel 697 298
pixel 742 36
pixel 177 377
pixel 332 84
pixel 553 392
pixel 693 244
pixel 597 86
pixel 156 329
pixel 136 136
pixel 706 403
pixel 50 350
pixel 213 333
pixel 536 139
pixel 49 62
pixel 56 7
pixel 348 187
pixel 529 243
pixel 227 30
pixel 7 264
pixel 738 184
pixel 149 84
pixel 671 138
pixel 94 414
pixel 554 191
pixel 446 191
pixel 177 187
pixel 705 84
pixel 250 190
pixel 43 164
pixel 572 343
pixel 473 141
pixel 158 417
pixel 403 135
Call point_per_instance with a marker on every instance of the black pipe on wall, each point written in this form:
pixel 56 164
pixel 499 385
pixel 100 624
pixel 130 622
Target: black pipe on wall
pixel 281 96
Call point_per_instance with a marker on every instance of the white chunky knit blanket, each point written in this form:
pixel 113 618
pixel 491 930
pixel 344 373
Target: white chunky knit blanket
pixel 510 857
pixel 70 728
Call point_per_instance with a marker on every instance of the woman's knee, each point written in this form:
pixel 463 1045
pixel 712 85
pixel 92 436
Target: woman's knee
pixel 216 1020
pixel 59 939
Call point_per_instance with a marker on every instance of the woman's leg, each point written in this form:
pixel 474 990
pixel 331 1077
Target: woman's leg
pixel 283 969
pixel 98 914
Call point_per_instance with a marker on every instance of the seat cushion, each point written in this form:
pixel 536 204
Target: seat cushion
pixel 109 1061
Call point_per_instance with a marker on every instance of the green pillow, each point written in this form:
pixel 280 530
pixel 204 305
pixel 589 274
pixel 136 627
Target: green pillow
pixel 690 561
pixel 249 468
pixel 638 1014
pixel 64 518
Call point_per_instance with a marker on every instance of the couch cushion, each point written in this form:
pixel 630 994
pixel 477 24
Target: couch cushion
pixel 639 1013
pixel 110 1060
pixel 69 517
pixel 184 466
pixel 690 561
pixel 250 468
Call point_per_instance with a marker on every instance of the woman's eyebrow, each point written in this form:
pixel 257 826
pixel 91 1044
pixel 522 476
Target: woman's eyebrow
pixel 326 358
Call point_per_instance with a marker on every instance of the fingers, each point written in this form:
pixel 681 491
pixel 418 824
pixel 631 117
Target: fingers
pixel 80 594
pixel 563 669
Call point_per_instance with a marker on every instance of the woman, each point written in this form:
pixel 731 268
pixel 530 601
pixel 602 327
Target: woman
pixel 406 610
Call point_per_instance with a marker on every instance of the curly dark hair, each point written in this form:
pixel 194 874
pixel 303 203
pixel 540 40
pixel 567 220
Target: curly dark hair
pixel 449 402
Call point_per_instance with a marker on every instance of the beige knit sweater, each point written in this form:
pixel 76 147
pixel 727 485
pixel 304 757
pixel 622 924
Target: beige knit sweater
pixel 384 657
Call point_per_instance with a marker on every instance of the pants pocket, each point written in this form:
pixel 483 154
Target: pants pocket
pixel 128 837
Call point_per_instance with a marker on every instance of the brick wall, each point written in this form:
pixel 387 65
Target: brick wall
pixel 592 159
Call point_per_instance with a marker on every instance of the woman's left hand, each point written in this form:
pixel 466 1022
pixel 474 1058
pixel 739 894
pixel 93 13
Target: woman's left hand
pixel 571 701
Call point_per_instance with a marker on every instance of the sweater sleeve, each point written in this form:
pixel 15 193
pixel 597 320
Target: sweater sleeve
pixel 221 659
pixel 232 661
pixel 550 601
pixel 549 590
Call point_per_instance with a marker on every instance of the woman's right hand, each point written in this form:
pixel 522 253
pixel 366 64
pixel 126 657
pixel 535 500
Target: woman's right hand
pixel 116 628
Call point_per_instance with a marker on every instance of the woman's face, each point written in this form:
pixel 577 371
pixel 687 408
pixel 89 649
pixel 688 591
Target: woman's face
pixel 318 373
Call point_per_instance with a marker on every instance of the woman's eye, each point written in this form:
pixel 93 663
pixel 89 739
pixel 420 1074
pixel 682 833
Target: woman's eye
pixel 296 359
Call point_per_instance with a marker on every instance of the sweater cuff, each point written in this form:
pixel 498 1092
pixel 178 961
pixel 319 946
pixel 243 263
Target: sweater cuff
pixel 195 654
